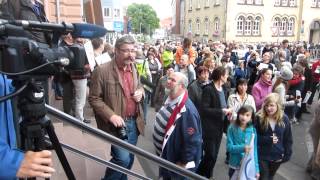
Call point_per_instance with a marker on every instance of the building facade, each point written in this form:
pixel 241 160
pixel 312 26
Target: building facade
pixel 253 20
pixel 113 13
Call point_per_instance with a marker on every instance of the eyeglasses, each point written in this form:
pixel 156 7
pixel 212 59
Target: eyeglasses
pixel 127 51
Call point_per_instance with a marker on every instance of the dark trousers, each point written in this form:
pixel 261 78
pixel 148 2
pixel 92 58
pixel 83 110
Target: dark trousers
pixel 230 173
pixel 268 169
pixel 211 150
pixel 68 97
pixel 314 90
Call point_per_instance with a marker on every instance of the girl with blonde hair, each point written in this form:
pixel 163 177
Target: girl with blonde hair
pixel 274 136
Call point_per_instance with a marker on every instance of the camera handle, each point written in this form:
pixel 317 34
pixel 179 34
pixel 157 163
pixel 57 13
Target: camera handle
pixel 35 124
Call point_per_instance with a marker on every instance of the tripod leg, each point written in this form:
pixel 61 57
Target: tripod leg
pixel 57 147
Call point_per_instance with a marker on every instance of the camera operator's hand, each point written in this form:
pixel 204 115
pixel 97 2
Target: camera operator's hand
pixel 36 164
pixel 117 121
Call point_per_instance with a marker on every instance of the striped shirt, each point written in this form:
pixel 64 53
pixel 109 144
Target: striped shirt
pixel 162 118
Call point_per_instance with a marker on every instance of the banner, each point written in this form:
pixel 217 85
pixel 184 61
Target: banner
pixel 248 167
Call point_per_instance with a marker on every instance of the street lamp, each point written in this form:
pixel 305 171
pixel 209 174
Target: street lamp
pixel 140 27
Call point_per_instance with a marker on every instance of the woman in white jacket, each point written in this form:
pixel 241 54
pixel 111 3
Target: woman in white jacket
pixel 240 98
pixel 281 86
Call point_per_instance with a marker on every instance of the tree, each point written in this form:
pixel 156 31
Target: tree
pixel 143 18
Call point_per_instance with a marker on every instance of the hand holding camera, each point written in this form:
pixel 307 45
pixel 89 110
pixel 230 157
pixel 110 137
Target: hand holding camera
pixel 117 121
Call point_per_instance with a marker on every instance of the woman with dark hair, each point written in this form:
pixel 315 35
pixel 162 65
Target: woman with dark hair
pixel 214 112
pixel 302 61
pixel 262 87
pixel 240 98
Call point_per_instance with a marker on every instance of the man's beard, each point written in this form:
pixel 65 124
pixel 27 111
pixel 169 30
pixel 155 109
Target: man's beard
pixel 169 92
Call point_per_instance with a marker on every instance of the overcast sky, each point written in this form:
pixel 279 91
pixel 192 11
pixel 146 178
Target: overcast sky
pixel 162 7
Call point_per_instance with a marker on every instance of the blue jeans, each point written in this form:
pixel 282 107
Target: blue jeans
pixel 121 156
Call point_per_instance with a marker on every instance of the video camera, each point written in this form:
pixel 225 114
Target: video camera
pixel 22 58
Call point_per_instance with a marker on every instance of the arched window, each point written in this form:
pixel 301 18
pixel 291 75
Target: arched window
pixel 292 3
pixel 240 23
pixel 198 26
pixel 290 27
pixel 276 25
pixel 256 26
pixel 283 26
pixel 284 2
pixel 248 25
pixel 216 25
pixel 190 26
pixel 206 26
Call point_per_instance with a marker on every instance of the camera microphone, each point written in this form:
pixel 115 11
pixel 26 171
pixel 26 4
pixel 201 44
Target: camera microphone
pixel 77 30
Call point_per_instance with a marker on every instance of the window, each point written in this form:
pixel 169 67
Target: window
pixel 283 26
pixel 190 26
pixel 256 26
pixel 277 2
pixel 247 26
pixel 198 26
pixel 107 12
pixel 116 12
pixel 259 2
pixel 216 25
pixel 284 2
pixel 241 1
pixel 315 3
pixel 290 27
pixel 249 1
pixel 206 26
pixel 240 25
pixel 292 3
pixel 207 4
pixel 217 2
pixel 198 4
pixel 190 5
pixel 276 25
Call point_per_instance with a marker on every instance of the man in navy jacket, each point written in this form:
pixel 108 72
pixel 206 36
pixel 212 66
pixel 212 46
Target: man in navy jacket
pixel 13 162
pixel 177 132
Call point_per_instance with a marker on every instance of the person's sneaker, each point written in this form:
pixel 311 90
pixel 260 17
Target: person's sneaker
pixel 87 121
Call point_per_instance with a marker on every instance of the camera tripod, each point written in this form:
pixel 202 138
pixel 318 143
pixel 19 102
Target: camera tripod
pixel 35 124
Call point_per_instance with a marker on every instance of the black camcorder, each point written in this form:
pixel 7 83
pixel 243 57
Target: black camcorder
pixel 20 55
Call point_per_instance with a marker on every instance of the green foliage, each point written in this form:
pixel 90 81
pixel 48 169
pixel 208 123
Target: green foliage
pixel 143 18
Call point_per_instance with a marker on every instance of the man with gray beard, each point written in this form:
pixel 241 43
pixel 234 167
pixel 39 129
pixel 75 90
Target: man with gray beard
pixel 177 135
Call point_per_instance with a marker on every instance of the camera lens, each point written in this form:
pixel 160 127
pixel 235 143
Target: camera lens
pixel 122 133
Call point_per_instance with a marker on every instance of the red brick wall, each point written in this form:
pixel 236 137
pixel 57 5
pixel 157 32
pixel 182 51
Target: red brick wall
pixel 70 10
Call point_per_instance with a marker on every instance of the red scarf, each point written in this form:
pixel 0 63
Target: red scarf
pixel 176 110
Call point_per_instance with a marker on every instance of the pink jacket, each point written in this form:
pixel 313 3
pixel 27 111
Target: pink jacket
pixel 259 92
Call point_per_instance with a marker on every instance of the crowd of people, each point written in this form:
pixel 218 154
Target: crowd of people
pixel 232 90
pixel 201 91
